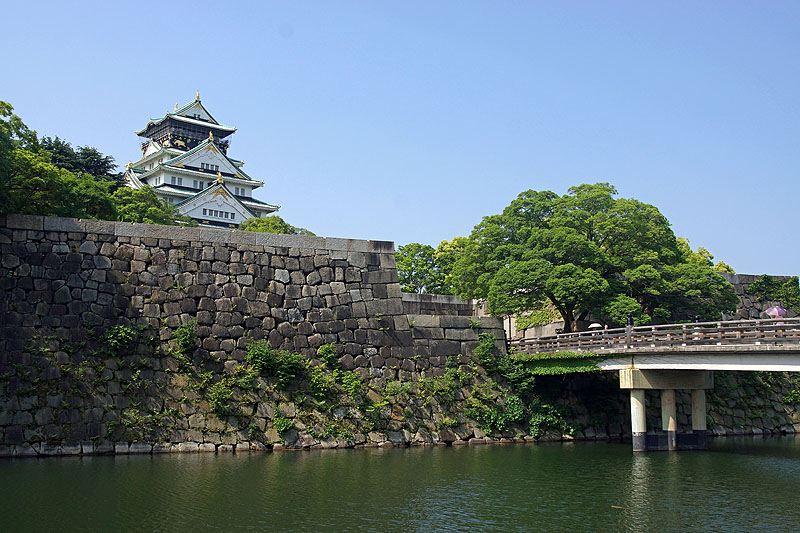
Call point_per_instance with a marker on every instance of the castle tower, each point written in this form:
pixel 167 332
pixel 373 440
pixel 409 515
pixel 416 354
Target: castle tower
pixel 185 161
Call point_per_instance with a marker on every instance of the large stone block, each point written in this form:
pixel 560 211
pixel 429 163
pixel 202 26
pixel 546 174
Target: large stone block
pixel 64 224
pixel 427 333
pixel 127 229
pixel 452 321
pixel 34 222
pixel 445 347
pixel 460 334
pixel 102 227
pixel 222 236
pixel 424 321
pixel 380 276
pixel 386 247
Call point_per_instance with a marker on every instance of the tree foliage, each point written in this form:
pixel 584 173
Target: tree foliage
pixel 143 206
pixel 272 224
pixel 419 269
pixel 588 253
pixel 83 160
pixel 49 177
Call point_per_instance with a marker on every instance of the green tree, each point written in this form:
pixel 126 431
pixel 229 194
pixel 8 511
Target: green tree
pixel 14 134
pixel 419 270
pixel 84 160
pixel 31 184
pixel 143 206
pixel 35 186
pixel 272 224
pixel 51 178
pixel 447 253
pixel 582 252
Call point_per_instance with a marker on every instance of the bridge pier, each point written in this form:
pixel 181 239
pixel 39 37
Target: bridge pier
pixel 638 420
pixel 699 427
pixel 669 418
pixel 667 381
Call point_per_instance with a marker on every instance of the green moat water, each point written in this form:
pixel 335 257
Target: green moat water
pixel 740 484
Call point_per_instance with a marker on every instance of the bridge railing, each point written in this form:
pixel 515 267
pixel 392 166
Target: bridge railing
pixel 730 332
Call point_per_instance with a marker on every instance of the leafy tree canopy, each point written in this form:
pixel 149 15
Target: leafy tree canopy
pixel 702 257
pixel 49 177
pixel 588 253
pixel 31 184
pixel 419 269
pixel 143 206
pixel 85 159
pixel 272 224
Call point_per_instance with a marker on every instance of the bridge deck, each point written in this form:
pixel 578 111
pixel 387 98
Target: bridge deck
pixel 770 345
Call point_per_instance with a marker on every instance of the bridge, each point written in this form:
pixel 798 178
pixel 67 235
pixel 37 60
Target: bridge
pixel 679 356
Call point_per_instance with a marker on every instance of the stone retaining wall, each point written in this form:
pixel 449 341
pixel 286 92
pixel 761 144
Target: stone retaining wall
pixel 67 388
pixel 65 282
pixel 437 304
pixel 750 306
pixel 741 403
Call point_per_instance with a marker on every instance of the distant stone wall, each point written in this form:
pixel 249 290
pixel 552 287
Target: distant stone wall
pixel 64 389
pixel 741 403
pixel 64 282
pixel 437 304
pixel 750 306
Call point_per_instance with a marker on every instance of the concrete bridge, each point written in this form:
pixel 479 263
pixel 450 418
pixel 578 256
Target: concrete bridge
pixel 679 356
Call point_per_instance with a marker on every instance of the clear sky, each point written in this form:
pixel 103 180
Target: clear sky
pixel 409 121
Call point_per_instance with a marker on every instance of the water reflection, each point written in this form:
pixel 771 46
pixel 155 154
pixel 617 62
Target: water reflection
pixel 739 485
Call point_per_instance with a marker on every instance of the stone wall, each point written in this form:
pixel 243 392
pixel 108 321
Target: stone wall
pixel 65 282
pixel 94 356
pixel 750 306
pixel 741 403
pixel 437 304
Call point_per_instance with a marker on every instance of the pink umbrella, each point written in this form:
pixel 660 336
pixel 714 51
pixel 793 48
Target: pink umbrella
pixel 776 311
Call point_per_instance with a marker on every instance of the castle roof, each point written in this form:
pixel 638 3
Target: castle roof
pixel 218 188
pixel 207 144
pixel 201 118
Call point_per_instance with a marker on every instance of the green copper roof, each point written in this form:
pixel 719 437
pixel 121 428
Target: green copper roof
pixel 249 200
pixel 213 188
pixel 202 144
pixel 156 121
pixel 190 105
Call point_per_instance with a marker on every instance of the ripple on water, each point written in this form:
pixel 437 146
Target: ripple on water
pixel 739 485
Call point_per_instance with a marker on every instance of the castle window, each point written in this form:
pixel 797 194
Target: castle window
pixel 233 216
pixel 226 214
pixel 204 212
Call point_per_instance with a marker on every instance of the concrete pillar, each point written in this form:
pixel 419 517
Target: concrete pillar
pixel 638 422
pixel 699 427
pixel 669 420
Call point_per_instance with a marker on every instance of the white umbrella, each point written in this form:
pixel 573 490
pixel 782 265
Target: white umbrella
pixel 595 325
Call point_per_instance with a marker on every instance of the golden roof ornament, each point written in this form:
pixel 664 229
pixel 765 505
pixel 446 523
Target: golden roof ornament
pixel 219 177
pixel 210 135
pixel 176 106
pixel 197 96
pixel 129 165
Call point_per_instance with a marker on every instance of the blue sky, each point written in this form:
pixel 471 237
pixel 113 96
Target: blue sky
pixel 410 121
